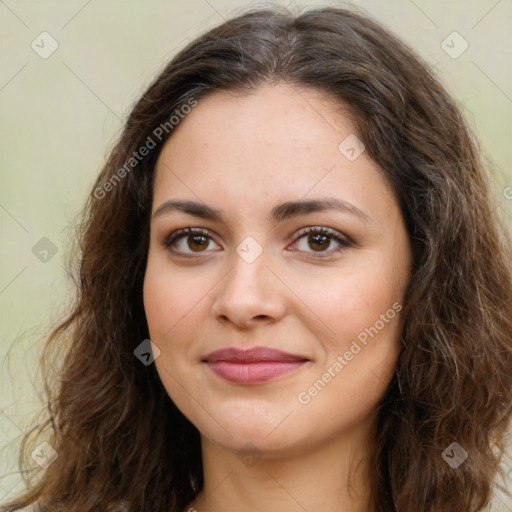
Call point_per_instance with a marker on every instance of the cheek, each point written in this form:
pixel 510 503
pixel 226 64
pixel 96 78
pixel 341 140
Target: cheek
pixel 360 350
pixel 352 300
pixel 159 300
pixel 168 296
pixel 169 306
pixel 167 300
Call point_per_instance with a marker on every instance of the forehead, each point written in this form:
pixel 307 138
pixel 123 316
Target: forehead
pixel 276 143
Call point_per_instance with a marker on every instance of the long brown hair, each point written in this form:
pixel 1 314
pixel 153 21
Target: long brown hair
pixel 121 442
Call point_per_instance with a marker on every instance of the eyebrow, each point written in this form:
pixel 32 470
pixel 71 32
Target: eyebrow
pixel 279 213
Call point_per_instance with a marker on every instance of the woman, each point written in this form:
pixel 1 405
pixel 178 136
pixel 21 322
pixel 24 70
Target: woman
pixel 293 291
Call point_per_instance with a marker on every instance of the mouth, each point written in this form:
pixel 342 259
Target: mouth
pixel 252 366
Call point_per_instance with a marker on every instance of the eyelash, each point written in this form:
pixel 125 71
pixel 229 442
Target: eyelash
pixel 334 235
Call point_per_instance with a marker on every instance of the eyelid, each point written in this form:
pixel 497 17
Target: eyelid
pixel 184 232
pixel 343 240
pixel 333 233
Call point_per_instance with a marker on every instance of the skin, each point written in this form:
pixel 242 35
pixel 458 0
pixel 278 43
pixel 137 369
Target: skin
pixel 245 154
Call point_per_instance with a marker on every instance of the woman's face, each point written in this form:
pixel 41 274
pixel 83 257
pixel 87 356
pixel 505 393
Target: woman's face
pixel 253 175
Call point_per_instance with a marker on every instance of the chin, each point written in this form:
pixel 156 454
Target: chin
pixel 248 440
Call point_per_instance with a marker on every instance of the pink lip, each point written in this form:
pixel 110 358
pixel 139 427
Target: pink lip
pixel 252 366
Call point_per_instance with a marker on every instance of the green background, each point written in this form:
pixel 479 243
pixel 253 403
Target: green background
pixel 59 117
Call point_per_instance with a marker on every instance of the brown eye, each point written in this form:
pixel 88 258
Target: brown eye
pixel 187 241
pixel 319 241
pixel 197 242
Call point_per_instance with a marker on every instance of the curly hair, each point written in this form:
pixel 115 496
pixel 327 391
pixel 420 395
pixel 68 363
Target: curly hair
pixel 453 380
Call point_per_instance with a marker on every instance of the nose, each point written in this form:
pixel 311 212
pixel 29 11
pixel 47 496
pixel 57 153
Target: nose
pixel 250 294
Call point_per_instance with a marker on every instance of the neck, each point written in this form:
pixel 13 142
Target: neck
pixel 332 478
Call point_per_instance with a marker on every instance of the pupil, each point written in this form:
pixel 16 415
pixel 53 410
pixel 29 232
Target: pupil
pixel 195 238
pixel 318 236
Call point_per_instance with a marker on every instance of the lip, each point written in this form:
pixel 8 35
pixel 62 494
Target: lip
pixel 254 365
